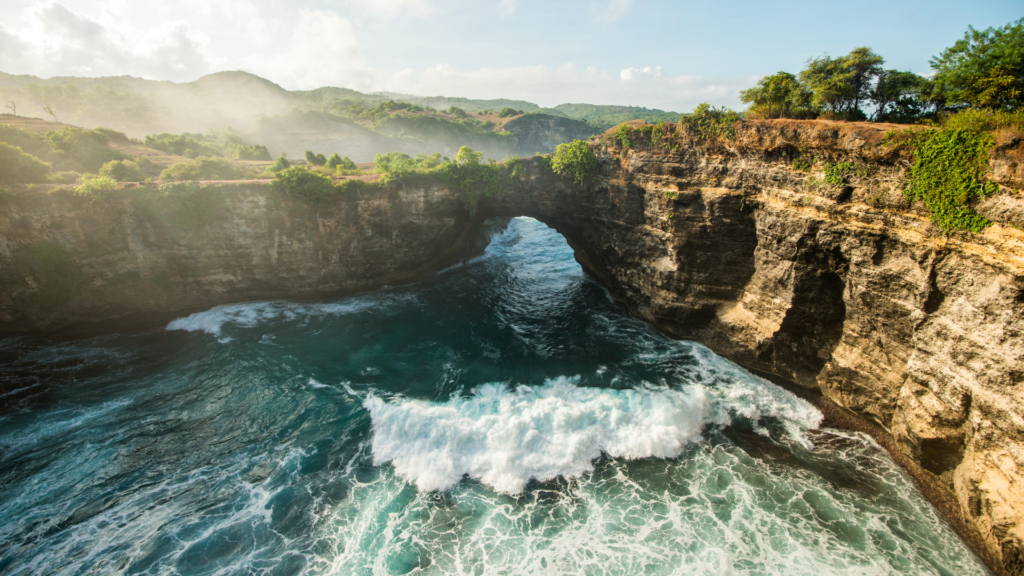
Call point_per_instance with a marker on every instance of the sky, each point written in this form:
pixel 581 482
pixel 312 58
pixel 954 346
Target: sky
pixel 670 55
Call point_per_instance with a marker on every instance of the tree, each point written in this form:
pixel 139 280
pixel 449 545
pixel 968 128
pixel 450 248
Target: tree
pixel 466 156
pixel 281 163
pixel 122 171
pixel 315 159
pixel 506 112
pixel 574 159
pixel 12 107
pixel 334 161
pixel 49 111
pixel 897 96
pixel 17 167
pixel 777 96
pixel 841 84
pixel 984 69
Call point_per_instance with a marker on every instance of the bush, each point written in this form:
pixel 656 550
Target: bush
pixel 203 168
pixel 948 172
pixel 302 183
pixel 17 167
pixel 336 162
pixel 507 112
pixel 281 163
pixel 575 158
pixel 122 171
pixel 67 177
pixel 709 123
pixel 95 186
pixel 315 159
pixel 252 152
pixel 113 134
pixel 84 150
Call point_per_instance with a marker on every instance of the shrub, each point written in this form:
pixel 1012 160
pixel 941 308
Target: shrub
pixel 281 163
pixel 17 167
pixel 84 150
pixel 67 177
pixel 336 162
pixel 252 152
pixel 302 183
pixel 709 123
pixel 95 186
pixel 575 158
pixel 113 134
pixel 122 171
pixel 315 159
pixel 203 168
pixel 948 173
pixel 506 112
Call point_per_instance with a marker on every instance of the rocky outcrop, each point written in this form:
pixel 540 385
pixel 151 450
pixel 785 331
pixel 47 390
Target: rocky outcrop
pixel 541 133
pixel 848 289
pixel 70 263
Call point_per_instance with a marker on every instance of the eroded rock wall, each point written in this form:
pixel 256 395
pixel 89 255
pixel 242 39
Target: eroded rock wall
pixel 846 289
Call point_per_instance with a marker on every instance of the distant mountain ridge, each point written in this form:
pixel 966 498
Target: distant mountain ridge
pixel 237 99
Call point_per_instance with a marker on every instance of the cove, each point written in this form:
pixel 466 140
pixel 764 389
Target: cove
pixel 502 416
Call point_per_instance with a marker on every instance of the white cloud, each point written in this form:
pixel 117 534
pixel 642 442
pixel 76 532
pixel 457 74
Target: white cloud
pixel 613 10
pixel 649 87
pixel 310 49
pixel 636 73
pixel 322 50
pixel 395 9
pixel 58 41
pixel 507 8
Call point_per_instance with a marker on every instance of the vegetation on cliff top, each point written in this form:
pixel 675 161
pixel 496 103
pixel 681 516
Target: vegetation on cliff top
pixel 983 70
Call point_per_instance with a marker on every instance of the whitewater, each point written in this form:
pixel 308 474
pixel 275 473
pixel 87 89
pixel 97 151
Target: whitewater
pixel 503 416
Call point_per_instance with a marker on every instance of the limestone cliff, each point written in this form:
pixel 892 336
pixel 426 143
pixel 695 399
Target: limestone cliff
pixel 534 133
pixel 845 289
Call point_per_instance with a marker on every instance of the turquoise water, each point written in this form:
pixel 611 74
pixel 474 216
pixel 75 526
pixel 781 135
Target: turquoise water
pixel 500 417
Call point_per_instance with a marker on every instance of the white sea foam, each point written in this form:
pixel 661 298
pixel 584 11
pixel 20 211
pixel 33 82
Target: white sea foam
pixel 252 314
pixel 505 437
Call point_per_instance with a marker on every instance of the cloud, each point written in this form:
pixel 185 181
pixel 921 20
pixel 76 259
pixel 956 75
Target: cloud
pixel 507 8
pixel 613 10
pixel 647 86
pixel 395 9
pixel 322 51
pixel 310 49
pixel 57 41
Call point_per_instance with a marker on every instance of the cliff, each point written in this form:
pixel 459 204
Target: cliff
pixel 534 133
pixel 845 290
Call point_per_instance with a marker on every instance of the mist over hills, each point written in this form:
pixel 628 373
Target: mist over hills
pixel 330 119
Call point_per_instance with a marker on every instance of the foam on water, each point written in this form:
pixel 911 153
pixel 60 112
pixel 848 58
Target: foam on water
pixel 507 437
pixel 252 314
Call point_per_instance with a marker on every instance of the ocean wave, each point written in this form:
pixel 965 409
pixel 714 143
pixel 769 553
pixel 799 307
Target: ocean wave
pixel 505 437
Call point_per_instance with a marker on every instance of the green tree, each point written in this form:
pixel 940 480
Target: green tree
pixel 841 84
pixel 777 96
pixel 574 159
pixel 334 161
pixel 281 163
pixel 506 112
pixel 17 167
pixel 315 159
pixel 984 69
pixel 466 156
pixel 301 183
pixel 203 168
pixel 897 96
pixel 122 171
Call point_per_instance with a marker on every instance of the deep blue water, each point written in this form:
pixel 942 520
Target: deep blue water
pixel 500 417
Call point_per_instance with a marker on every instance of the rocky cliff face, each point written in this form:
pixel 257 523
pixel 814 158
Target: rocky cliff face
pixel 542 133
pixel 71 262
pixel 848 290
